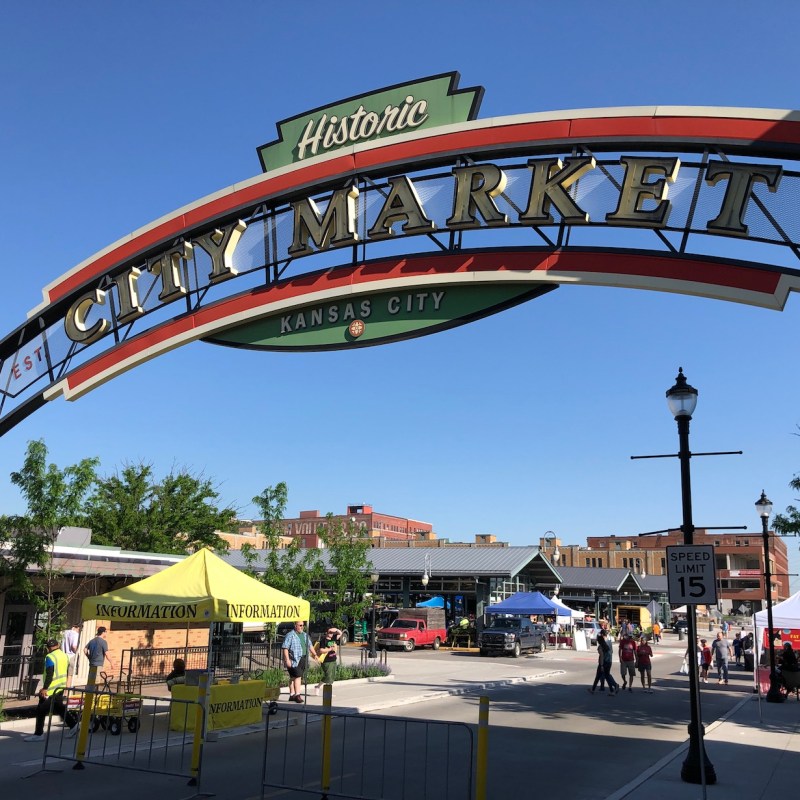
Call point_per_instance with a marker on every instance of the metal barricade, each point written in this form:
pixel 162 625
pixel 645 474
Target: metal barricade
pixel 366 757
pixel 151 665
pixel 125 731
pixel 18 677
pixel 381 658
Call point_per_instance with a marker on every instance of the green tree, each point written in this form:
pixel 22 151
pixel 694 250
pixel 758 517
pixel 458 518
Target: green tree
pixel 291 569
pixel 54 498
pixel 178 514
pixel 789 522
pixel 347 547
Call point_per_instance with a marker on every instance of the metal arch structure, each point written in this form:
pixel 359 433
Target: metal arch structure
pixel 383 238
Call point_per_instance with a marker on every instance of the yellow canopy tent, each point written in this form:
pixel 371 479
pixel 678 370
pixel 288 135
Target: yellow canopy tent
pixel 201 588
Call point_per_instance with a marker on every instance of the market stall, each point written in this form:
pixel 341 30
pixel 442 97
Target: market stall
pixel 202 588
pixel 785 628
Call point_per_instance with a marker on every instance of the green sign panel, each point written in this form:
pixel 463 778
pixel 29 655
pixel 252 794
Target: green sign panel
pixel 405 108
pixel 369 319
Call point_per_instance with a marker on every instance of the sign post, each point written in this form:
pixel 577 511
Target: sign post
pixel 691 575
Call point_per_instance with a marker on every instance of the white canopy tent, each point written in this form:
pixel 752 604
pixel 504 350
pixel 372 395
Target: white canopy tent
pixel 785 615
pixel 567 614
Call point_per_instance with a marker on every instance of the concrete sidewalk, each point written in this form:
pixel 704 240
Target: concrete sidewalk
pixel 755 752
pixel 755 749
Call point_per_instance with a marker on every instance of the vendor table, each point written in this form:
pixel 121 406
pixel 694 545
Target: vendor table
pixel 230 705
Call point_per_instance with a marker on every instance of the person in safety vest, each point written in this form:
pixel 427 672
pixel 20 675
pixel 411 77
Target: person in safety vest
pixel 56 664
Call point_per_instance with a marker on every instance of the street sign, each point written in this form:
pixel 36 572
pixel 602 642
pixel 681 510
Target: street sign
pixel 691 575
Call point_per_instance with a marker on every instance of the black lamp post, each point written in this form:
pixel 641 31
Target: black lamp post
pixel 764 508
pixel 682 399
pixel 373 653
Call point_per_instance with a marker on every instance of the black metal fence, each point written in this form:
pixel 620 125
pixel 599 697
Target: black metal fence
pixel 149 665
pixel 20 675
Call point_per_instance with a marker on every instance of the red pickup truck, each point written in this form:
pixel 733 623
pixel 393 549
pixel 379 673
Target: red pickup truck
pixel 414 627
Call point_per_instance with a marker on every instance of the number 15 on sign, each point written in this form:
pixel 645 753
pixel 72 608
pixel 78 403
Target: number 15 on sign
pixel 691 575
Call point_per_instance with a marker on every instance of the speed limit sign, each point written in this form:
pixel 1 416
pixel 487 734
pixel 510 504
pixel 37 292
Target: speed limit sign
pixel 691 575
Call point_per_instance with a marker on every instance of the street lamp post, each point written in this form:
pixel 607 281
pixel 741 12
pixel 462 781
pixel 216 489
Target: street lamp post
pixel 764 508
pixel 682 399
pixel 426 574
pixel 373 653
pixel 549 536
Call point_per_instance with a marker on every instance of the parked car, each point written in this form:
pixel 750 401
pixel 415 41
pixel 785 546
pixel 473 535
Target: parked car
pixel 591 629
pixel 512 635
pixel 414 627
pixel 681 625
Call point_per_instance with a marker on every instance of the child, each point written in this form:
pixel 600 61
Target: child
pixel 705 660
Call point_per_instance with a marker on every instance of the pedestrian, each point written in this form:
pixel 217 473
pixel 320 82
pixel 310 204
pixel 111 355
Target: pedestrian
pixel 97 650
pixel 722 651
pixel 178 674
pixel 705 660
pixel 656 632
pixel 296 650
pixel 327 650
pixel 627 660
pixel 725 628
pixel 789 661
pixel 69 646
pixel 51 695
pixel 607 653
pixel 644 654
pixel 555 629
pixel 737 648
pixel 600 673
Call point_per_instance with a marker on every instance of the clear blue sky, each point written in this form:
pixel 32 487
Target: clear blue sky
pixel 114 114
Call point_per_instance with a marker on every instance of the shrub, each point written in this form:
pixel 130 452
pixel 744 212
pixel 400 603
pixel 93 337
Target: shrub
pixel 277 676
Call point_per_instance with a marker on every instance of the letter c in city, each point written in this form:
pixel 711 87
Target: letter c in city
pixel 75 320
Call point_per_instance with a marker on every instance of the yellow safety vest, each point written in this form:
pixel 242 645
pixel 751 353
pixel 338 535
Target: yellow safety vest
pixel 60 661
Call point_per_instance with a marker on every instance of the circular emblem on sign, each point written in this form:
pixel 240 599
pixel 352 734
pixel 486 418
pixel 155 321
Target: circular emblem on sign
pixel 356 328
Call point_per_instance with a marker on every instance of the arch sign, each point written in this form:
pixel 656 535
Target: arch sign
pixel 400 213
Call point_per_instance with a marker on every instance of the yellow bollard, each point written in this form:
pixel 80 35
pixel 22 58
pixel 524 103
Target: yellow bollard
pixel 86 715
pixel 327 699
pixel 483 750
pixel 199 728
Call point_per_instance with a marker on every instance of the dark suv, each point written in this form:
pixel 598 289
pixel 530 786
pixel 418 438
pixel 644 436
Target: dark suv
pixel 512 635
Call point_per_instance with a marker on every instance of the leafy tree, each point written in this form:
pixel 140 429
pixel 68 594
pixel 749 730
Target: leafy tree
pixel 299 570
pixel 178 514
pixel 347 547
pixel 292 569
pixel 54 498
pixel 789 523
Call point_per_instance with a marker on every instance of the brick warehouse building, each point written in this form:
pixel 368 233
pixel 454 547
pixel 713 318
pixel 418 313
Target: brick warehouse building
pixel 739 562
pixel 382 528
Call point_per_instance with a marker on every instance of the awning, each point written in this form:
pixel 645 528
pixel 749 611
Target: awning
pixel 201 588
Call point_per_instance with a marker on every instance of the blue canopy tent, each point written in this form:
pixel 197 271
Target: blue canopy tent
pixel 434 602
pixel 527 604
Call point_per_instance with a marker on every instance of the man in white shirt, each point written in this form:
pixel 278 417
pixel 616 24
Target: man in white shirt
pixel 69 644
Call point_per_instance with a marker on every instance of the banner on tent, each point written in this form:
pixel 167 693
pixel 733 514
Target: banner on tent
pixel 791 635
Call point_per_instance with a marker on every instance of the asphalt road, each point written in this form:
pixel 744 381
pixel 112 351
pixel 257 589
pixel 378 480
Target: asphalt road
pixel 553 731
pixel 547 734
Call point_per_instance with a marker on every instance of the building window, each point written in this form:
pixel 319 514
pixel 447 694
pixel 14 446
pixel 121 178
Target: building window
pixel 663 565
pixel 587 562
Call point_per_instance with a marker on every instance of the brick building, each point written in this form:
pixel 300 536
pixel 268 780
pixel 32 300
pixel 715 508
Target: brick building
pixel 739 562
pixel 384 529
